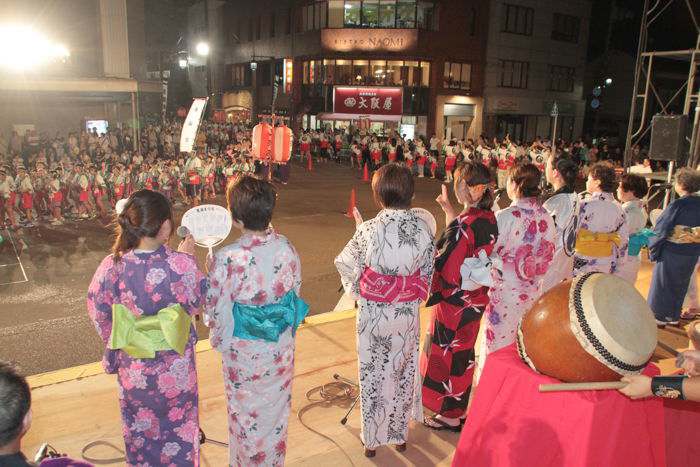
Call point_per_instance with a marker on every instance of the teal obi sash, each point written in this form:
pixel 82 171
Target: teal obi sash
pixel 639 240
pixel 267 322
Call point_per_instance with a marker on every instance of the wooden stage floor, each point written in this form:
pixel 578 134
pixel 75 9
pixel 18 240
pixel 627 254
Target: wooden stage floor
pixel 76 406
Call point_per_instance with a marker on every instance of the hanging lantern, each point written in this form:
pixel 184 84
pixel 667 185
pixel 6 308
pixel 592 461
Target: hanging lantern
pixel 283 144
pixel 181 112
pixel 262 141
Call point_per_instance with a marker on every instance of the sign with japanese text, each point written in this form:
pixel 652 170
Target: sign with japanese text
pixel 362 100
pixel 369 40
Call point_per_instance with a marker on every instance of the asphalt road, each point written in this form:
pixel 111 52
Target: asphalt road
pixel 44 324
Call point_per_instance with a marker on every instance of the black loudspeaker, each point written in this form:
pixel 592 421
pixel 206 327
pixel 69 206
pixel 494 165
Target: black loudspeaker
pixel 668 137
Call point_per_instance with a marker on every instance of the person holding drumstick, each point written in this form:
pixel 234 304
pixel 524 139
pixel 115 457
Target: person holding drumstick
pixel 685 387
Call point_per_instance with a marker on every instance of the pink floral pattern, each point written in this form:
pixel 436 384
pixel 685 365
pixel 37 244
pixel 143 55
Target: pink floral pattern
pixel 525 246
pixel 158 397
pixel 254 270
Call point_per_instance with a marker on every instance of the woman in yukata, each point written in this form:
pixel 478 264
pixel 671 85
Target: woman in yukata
pixel 675 248
pixel 459 292
pixel 522 254
pixel 253 309
pixel 563 207
pixel 386 267
pixel 602 237
pixel 140 300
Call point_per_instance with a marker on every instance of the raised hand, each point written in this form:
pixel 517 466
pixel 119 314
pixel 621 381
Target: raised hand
pixel 357 216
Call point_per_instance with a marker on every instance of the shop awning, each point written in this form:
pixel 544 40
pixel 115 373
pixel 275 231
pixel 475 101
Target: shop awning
pixel 345 117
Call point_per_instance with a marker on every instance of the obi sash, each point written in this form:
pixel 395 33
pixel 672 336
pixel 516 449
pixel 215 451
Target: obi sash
pixel 142 337
pixel 682 234
pixel 267 322
pixel 596 244
pixel 386 288
pixel 638 241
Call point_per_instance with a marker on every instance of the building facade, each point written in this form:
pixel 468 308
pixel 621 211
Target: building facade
pixel 432 53
pixel 536 55
pixel 462 67
pixel 103 79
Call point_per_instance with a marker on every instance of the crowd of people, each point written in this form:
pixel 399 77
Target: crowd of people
pixel 488 263
pixel 83 174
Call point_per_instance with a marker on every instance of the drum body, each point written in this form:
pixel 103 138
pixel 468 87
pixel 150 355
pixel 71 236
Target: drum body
pixel 594 328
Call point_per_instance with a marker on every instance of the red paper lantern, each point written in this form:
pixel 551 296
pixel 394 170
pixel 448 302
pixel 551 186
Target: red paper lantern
pixel 181 112
pixel 219 116
pixel 283 144
pixel 262 141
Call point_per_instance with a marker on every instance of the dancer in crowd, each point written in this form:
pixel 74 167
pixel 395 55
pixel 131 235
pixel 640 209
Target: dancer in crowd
pixel 460 289
pixel 7 199
pixel 140 300
pixel 253 309
pixel 675 248
pixel 563 207
pixel 601 241
pixel 524 250
pixel 630 192
pixel 386 267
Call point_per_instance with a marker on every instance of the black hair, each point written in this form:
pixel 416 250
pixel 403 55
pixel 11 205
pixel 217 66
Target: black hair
pixel 15 402
pixel 252 201
pixel 142 216
pixel 476 174
pixel 568 171
pixel 634 183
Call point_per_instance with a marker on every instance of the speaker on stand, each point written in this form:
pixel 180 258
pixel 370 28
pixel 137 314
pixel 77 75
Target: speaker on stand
pixel 668 143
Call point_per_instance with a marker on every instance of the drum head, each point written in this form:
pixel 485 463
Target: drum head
pixel 209 224
pixel 612 322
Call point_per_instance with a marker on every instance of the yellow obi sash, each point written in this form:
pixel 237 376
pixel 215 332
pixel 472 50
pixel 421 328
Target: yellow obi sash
pixel 142 337
pixel 596 244
pixel 684 234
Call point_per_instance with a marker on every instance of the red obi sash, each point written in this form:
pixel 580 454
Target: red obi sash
pixel 384 288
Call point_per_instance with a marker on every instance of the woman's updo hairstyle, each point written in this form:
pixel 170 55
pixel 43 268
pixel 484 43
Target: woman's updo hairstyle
pixel 474 173
pixel 527 178
pixel 142 216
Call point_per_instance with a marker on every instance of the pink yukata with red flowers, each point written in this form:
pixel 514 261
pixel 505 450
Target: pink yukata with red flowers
pixel 521 256
pixel 158 397
pixel 254 270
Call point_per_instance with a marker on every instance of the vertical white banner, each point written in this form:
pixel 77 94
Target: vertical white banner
pixel 191 125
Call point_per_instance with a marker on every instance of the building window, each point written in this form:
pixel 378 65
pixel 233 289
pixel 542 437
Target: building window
pixel 367 72
pixel 353 13
pixel 406 14
pixel 561 78
pixel 314 15
pixel 288 22
pixel 565 28
pixel 241 74
pixel 458 76
pixel 250 29
pixel 387 14
pixel 258 28
pixel 514 74
pixel 517 19
pixel 390 14
pixel 272 25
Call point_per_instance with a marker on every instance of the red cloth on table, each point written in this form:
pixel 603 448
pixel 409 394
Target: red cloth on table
pixel 510 423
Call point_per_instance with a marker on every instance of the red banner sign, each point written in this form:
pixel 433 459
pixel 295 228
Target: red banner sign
pixel 363 100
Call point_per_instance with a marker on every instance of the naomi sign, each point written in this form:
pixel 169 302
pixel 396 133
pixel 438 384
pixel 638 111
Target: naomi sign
pixel 363 100
pixel 369 40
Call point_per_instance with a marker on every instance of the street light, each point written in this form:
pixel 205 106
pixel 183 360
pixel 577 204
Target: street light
pixel 202 49
pixel 253 66
pixel 23 48
pixel 608 81
pixel 182 62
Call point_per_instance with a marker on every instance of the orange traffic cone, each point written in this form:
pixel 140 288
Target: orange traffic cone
pixel 351 205
pixel 365 174
pixel 310 164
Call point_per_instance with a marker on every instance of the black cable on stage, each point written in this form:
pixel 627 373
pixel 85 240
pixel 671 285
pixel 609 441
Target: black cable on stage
pixel 333 393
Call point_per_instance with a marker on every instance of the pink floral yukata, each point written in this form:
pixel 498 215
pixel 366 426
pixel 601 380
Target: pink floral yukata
pixel 254 270
pixel 158 397
pixel 523 251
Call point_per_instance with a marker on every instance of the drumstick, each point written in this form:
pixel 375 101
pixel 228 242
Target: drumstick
pixel 597 386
